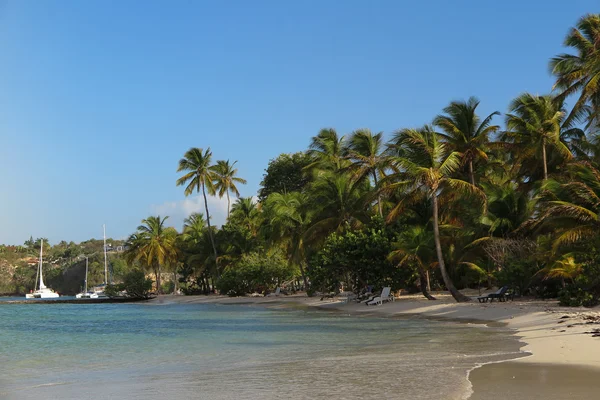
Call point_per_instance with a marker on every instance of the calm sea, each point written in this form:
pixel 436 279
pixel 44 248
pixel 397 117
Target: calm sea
pixel 196 351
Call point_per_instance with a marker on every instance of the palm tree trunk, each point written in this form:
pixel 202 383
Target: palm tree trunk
pixel 228 206
pixel 544 159
pixel 157 275
pixel 210 233
pixel 303 275
pixel 471 174
pixel 425 285
pixel 379 207
pixel 458 296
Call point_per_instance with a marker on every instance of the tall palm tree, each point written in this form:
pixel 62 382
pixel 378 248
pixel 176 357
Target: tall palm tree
pixel 425 167
pixel 153 244
pixel 327 150
pixel 465 133
pixel 580 72
pixel 199 176
pixel 288 219
pixel 366 152
pixel 225 180
pixel 533 125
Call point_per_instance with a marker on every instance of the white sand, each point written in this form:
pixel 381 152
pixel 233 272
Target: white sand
pixel 538 323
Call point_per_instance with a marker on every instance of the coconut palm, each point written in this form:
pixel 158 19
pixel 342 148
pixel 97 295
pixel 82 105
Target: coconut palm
pixel 225 180
pixel 465 133
pixel 366 152
pixel 153 245
pixel 534 125
pixel 564 268
pixel 245 212
pixel 571 208
pixel 425 168
pixel 415 246
pixel 327 150
pixel 287 217
pixel 579 73
pixel 339 201
pixel 199 175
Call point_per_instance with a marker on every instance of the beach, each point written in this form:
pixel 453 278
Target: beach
pixel 560 360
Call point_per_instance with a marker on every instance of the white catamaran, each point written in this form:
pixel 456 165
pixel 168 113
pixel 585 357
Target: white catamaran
pixel 85 294
pixel 42 292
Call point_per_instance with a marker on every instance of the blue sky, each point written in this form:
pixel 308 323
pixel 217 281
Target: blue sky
pixel 100 99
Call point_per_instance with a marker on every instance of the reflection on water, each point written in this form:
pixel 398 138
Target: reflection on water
pixel 224 352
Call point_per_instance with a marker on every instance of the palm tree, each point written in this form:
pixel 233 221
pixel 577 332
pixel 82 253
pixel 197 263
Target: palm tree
pixel 193 228
pixel 425 167
pixel 225 180
pixel 287 217
pixel 327 150
pixel 154 245
pixel 366 152
pixel 580 72
pixel 533 125
pixel 415 246
pixel 571 208
pixel 338 202
pixel 464 133
pixel 564 268
pixel 199 175
pixel 245 212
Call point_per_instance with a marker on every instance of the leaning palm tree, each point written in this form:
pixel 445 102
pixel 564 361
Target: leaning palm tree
pixel 365 150
pixel 425 167
pixel 534 124
pixel 153 244
pixel 580 72
pixel 225 180
pixel 199 176
pixel 465 133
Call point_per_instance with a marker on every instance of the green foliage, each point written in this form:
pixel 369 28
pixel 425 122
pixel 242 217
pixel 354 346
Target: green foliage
pixel 576 297
pixel 255 272
pixel 356 258
pixel 135 286
pixel 285 174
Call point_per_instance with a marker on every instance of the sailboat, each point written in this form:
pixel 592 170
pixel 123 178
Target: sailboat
pixel 85 294
pixel 98 291
pixel 43 292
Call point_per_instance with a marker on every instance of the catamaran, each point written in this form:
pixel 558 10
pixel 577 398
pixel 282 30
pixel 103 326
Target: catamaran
pixel 43 292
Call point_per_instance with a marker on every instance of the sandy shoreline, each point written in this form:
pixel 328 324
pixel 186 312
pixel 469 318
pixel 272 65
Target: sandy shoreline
pixel 552 334
pixel 560 350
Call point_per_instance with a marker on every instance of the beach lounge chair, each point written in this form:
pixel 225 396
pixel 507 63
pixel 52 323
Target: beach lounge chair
pixel 277 292
pixel 384 296
pixel 500 294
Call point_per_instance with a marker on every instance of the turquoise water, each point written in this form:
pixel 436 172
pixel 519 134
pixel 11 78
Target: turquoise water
pixel 182 351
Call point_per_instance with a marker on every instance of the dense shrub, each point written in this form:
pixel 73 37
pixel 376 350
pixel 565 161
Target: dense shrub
pixel 255 272
pixel 356 258
pixel 135 285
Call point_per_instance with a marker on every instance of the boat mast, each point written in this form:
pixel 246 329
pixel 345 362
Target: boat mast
pixel 42 286
pixel 86 273
pixel 105 259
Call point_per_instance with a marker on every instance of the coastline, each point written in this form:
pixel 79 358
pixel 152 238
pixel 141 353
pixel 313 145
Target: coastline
pixel 554 339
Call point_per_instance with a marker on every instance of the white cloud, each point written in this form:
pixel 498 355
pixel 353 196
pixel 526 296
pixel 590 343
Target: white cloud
pixel 179 210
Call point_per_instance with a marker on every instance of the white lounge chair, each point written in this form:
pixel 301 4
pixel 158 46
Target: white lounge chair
pixel 384 296
pixel 277 292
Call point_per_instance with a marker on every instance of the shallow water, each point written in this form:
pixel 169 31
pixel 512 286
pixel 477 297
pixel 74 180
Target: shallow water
pixel 141 351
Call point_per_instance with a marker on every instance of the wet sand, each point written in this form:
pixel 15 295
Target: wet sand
pixel 514 380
